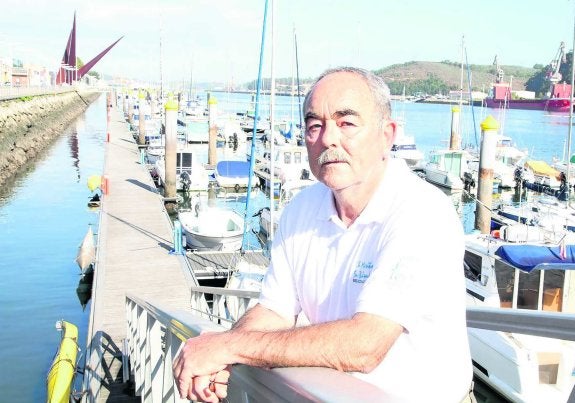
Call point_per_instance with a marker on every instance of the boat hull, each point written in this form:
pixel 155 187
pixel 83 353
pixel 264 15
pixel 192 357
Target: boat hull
pixel 212 229
pixel 551 105
pixel 61 374
pixel 201 242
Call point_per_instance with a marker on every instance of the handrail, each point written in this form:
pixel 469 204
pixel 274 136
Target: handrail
pixel 155 334
pixel 557 325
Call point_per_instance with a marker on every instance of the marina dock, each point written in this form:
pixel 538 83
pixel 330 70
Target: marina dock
pixel 135 238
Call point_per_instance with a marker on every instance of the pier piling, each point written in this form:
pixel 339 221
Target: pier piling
pixel 171 148
pixel 213 134
pixel 489 129
pixel 141 118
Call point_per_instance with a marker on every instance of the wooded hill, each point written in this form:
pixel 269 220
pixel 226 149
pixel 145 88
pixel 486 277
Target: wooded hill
pixel 441 77
pixel 437 77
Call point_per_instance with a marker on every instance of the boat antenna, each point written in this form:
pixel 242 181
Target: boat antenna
pixel 297 77
pixel 256 116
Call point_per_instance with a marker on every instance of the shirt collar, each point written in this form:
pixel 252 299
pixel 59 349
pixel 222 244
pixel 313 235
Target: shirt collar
pixel 379 202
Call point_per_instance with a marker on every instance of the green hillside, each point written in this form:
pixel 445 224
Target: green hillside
pixel 440 77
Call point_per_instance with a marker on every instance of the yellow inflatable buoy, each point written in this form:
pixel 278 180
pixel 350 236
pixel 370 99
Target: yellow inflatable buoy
pixel 94 182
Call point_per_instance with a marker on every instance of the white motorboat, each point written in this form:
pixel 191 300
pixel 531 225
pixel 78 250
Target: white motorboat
pixel 190 173
pixel 247 122
pixel 404 147
pixel 212 228
pixel 447 168
pixel 290 163
pixel 288 190
pixel 528 268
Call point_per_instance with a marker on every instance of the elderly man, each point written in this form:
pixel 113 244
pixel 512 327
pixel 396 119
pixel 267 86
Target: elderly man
pixel 372 255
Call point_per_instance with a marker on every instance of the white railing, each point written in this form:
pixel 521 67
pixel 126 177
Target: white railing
pixel 226 306
pixel 156 333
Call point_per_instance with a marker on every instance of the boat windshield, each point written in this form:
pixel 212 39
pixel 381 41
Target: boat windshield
pixel 537 290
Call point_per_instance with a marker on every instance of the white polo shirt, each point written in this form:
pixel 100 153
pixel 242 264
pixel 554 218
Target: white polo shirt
pixel 401 259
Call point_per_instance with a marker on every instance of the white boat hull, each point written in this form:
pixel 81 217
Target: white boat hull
pixel 443 178
pixel 212 229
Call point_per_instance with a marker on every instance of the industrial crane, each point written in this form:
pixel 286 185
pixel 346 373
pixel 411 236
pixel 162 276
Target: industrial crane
pixel 553 74
pixel 498 71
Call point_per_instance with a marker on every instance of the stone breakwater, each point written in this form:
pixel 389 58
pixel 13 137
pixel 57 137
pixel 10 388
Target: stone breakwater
pixel 29 125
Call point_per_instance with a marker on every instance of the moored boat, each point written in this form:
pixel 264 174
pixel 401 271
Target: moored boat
pixel 190 173
pixel 448 168
pixel 558 103
pixel 86 252
pixel 530 269
pixel 61 374
pixel 404 147
pixel 231 174
pixel 212 228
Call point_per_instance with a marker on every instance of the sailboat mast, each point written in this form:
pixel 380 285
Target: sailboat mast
pixel 256 116
pixel 161 58
pixel 272 125
pixel 461 75
pixel 191 78
pixel 292 92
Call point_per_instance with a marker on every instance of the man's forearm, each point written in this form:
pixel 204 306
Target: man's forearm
pixel 358 344
pixel 261 318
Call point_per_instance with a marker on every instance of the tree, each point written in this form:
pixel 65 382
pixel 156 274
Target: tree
pixel 566 68
pixel 538 82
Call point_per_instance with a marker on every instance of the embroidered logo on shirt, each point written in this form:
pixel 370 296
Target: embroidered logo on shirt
pixel 362 272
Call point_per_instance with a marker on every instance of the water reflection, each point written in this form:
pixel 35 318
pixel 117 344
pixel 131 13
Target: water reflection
pixel 84 289
pixel 74 152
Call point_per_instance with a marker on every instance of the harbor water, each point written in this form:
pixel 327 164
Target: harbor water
pixel 44 216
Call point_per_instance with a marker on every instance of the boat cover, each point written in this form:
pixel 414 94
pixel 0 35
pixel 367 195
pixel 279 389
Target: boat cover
pixel 233 169
pixel 542 168
pixel 528 257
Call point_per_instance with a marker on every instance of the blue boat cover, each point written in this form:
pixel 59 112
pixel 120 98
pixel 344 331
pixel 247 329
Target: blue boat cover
pixel 233 169
pixel 527 257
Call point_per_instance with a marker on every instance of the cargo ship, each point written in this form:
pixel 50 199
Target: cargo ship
pixel 559 101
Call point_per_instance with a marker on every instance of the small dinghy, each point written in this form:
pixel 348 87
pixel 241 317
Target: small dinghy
pixel 94 201
pixel 87 252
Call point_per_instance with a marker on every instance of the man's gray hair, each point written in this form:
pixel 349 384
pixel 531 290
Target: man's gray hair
pixel 376 85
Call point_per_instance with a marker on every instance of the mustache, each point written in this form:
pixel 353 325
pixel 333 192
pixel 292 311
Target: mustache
pixel 331 155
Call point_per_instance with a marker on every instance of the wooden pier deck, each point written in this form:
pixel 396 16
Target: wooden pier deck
pixel 133 256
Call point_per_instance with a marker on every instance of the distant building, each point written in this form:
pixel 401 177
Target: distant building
pixel 475 95
pixel 5 71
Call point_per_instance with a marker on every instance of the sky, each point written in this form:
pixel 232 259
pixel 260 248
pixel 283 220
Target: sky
pixel 220 40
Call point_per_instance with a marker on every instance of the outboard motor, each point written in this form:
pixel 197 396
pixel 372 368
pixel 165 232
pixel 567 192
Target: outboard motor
pixel 186 181
pixel 468 181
